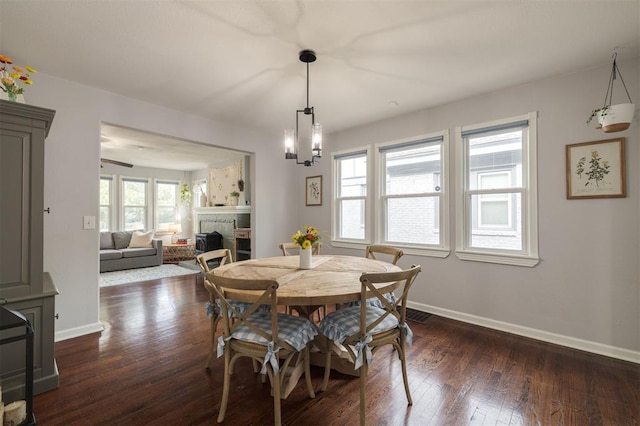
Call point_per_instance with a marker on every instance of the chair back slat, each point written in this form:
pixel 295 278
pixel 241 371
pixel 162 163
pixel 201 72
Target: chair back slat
pixel 393 252
pixel 286 247
pixel 396 280
pixel 268 298
pixel 223 254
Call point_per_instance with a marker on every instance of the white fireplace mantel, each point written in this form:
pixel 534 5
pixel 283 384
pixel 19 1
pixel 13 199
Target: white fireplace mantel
pixel 222 210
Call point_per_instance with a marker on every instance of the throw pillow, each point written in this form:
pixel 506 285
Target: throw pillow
pixel 106 242
pixel 121 239
pixel 141 239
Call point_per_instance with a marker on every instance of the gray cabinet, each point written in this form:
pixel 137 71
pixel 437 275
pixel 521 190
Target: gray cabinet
pixel 24 286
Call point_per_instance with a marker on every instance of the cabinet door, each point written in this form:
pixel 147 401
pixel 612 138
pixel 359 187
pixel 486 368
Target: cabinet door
pixel 21 210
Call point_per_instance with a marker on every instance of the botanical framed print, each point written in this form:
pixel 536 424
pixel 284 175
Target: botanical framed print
pixel 596 169
pixel 314 191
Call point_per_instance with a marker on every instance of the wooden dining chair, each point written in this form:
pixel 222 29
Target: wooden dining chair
pixel 275 340
pixel 363 329
pixel 394 253
pixel 288 247
pixel 206 260
pixel 385 253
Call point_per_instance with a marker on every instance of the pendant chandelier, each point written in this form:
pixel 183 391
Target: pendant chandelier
pixel 291 136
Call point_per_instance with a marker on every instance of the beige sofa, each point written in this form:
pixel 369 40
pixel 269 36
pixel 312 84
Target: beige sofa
pixel 115 253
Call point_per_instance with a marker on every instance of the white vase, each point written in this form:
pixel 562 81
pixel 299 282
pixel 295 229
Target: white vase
pixel 203 200
pixel 305 258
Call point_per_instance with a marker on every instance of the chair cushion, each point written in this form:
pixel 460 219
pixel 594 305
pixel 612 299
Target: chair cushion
pixel 241 307
pixel 345 322
pixel 106 241
pixel 296 331
pixel 374 301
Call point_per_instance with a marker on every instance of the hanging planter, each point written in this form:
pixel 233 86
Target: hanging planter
pixel 618 117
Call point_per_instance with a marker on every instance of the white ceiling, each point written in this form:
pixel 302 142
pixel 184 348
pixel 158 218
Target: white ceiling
pixel 237 61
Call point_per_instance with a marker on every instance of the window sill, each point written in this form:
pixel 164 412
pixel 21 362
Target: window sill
pixel 413 251
pixel 501 258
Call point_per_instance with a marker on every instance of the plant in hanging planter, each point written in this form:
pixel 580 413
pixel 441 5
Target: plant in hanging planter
pixel 185 195
pixel 13 78
pixel 614 117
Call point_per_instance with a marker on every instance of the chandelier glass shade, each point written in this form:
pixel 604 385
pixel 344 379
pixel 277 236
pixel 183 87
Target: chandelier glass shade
pixel 292 137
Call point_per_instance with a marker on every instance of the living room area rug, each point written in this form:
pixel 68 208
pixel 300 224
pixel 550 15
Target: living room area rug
pixel 143 274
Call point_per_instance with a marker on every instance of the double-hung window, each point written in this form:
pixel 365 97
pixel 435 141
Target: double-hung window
pixel 351 206
pixel 413 206
pixel 106 203
pixel 166 207
pixel 496 220
pixel 134 203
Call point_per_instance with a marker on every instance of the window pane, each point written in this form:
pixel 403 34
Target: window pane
pixel 166 216
pixel 353 176
pixel 105 218
pixel 412 171
pixel 134 193
pixel 413 220
pixel 166 194
pixel 134 218
pixel 105 191
pixel 494 212
pixel 496 152
pixel 352 213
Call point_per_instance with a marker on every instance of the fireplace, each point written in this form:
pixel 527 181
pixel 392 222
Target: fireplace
pixel 208 241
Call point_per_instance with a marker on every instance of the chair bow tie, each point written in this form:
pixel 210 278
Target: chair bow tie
pixel 272 358
pixel 360 347
pixel 221 344
pixel 408 334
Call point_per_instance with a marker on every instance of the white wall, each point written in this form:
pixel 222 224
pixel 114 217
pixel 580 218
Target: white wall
pixel 585 291
pixel 72 169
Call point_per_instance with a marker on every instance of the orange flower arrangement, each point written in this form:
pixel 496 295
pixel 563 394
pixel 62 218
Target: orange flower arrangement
pixel 12 80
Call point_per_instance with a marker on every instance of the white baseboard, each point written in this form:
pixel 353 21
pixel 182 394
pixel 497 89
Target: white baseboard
pixel 78 331
pixel 545 336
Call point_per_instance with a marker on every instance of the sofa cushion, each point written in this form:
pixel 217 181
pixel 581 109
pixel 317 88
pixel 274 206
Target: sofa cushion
pixel 138 252
pixel 110 254
pixel 106 241
pixel 121 239
pixel 141 239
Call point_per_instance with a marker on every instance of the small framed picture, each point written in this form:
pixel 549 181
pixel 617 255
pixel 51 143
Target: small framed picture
pixel 314 191
pixel 596 169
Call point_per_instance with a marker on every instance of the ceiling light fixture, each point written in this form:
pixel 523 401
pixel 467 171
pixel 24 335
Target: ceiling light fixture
pixel 291 136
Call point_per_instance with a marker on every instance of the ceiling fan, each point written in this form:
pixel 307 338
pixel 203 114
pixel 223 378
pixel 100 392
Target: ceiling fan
pixel 117 163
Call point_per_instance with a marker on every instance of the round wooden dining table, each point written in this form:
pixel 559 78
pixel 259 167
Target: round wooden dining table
pixel 331 279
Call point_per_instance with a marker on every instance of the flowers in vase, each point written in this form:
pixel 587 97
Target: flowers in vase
pixel 307 238
pixel 13 78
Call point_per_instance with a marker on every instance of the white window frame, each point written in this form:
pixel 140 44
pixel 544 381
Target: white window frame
pixel 528 256
pixel 110 206
pixel 156 205
pixel 148 196
pixel 443 249
pixel 338 241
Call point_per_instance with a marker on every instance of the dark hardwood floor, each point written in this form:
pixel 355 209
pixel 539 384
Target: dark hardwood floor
pixel 147 367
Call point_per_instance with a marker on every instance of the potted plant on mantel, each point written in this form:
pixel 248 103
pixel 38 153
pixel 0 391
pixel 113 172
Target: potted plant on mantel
pixel 234 198
pixel 617 117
